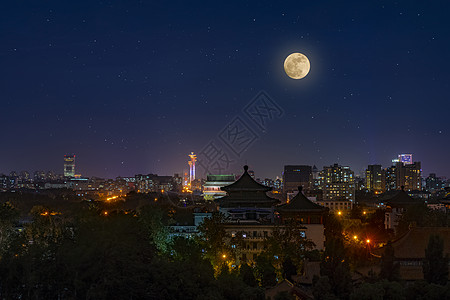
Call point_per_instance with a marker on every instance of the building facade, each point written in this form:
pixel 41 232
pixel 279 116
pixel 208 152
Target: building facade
pixel 69 165
pixel 212 188
pixel 374 178
pixel 338 183
pixel 407 175
pixel 252 216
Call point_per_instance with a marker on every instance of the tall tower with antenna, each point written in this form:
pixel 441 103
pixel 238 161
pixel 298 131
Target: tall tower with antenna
pixel 191 163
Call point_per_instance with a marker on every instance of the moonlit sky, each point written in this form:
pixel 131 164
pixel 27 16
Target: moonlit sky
pixel 134 86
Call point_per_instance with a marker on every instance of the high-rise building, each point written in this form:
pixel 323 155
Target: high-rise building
pixel 295 176
pixel 405 159
pixel 410 176
pixel 406 175
pixel 69 165
pixel 338 183
pixel 434 183
pixel 315 179
pixel 374 178
pixel 390 178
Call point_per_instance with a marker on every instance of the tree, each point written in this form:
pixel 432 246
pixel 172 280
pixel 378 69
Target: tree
pixel 378 291
pixel 289 269
pixel 368 291
pixel 8 218
pixel 184 249
pixel 335 266
pixel 265 271
pixel 288 240
pixel 284 296
pixel 390 270
pixel 435 264
pixel 322 289
pixel 152 220
pixel 247 275
pixel 213 239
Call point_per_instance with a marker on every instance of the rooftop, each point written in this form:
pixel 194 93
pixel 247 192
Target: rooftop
pixel 300 203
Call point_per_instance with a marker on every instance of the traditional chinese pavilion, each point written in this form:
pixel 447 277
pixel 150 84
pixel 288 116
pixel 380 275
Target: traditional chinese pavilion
pixel 396 206
pixel 246 200
pixel 302 210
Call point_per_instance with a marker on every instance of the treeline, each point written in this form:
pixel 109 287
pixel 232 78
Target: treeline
pixel 96 254
pixel 97 250
pixel 336 275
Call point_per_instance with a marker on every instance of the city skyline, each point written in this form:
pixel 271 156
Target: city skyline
pixel 70 171
pixel 130 90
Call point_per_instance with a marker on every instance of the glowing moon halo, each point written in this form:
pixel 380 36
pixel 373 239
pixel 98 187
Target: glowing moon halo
pixel 296 65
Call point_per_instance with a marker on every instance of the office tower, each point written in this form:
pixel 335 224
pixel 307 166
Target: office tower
pixel 409 176
pixel 374 178
pixel 69 165
pixel 406 175
pixel 338 183
pixel 434 183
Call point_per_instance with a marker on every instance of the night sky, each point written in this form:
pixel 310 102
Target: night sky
pixel 135 86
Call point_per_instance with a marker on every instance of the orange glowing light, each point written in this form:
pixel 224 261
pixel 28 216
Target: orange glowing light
pixel 339 213
pixel 368 241
pixel 105 213
pixel 355 237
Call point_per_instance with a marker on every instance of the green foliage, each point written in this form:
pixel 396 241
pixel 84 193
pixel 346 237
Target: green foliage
pixel 378 291
pixel 8 219
pixel 247 275
pixel 419 290
pixel 152 220
pixel 435 264
pixel 287 241
pixel 289 269
pixel 421 216
pixel 233 287
pixel 284 296
pixel 114 256
pixel 336 268
pixel 367 291
pixel 322 289
pixel 213 239
pixel 265 271
pixel 184 249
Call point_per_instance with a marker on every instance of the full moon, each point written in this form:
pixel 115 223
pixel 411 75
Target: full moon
pixel 296 65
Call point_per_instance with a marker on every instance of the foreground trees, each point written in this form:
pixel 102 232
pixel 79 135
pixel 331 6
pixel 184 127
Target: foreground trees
pixel 113 255
pixel 435 264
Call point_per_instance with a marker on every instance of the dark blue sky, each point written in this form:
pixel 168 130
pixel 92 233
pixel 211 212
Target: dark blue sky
pixel 134 86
